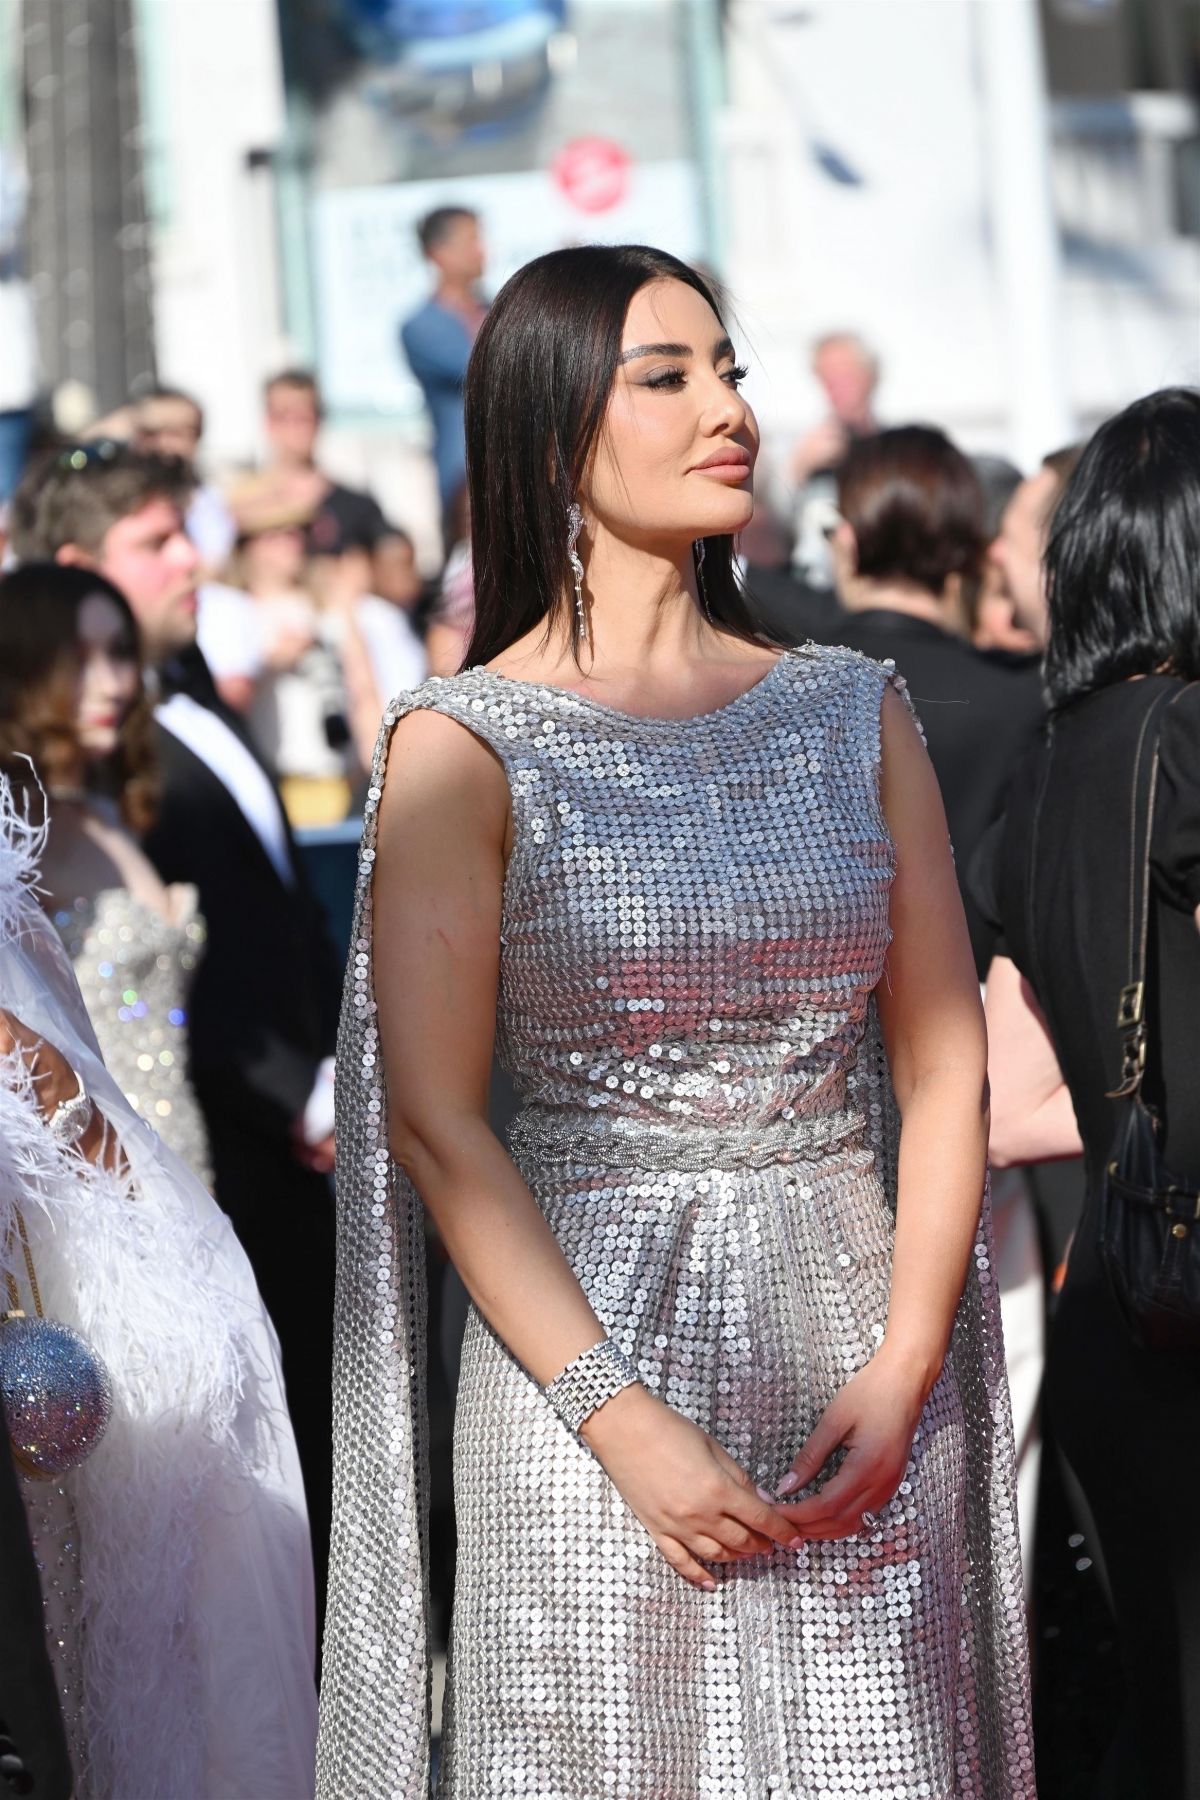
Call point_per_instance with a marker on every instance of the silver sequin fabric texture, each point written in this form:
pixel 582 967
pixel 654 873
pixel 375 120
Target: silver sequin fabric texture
pixel 54 1534
pixel 135 970
pixel 695 918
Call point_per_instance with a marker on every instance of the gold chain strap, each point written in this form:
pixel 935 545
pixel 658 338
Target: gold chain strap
pixel 10 1280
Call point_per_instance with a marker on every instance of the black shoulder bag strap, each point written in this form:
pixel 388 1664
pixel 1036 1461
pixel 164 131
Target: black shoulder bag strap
pixel 1132 1022
pixel 1148 1230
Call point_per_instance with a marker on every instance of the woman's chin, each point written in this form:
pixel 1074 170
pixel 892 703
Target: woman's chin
pixel 728 520
pixel 98 746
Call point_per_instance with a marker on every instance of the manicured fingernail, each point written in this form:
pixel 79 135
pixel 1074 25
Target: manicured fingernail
pixel 796 1543
pixel 763 1495
pixel 710 1587
pixel 790 1482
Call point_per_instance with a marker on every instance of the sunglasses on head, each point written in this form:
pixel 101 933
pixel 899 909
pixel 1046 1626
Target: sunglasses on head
pixel 87 456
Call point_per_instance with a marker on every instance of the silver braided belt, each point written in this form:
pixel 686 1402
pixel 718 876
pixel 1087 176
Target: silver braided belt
pixel 565 1135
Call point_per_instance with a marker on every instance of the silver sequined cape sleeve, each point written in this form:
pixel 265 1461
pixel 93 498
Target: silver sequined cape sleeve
pixel 374 1735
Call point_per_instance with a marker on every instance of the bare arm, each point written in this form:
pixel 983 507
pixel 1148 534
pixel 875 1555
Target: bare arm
pixel 438 880
pixel 439 871
pixel 936 1042
pixel 444 646
pixel 54 1084
pixel 364 702
pixel 1033 1119
pixel 934 1034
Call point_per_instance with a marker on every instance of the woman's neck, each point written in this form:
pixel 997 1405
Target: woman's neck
pixel 71 783
pixel 646 629
pixel 642 606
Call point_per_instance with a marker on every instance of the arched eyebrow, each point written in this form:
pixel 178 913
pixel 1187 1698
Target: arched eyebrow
pixel 722 348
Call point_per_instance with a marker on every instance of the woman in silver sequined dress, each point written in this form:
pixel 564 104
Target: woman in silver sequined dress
pixel 71 702
pixel 733 1462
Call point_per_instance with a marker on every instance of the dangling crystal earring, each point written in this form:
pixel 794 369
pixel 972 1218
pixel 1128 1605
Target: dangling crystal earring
pixel 574 527
pixel 698 549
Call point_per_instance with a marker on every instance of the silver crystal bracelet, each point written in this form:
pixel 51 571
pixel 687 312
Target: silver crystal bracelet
pixel 585 1384
pixel 71 1118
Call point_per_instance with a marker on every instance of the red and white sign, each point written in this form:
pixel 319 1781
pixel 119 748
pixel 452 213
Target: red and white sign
pixel 593 173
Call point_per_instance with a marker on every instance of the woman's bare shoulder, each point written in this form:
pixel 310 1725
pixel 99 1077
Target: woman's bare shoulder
pixel 443 779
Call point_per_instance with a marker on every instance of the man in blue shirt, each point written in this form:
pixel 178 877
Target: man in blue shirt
pixel 438 337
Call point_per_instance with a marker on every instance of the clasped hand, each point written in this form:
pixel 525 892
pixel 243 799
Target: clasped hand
pixel 700 1507
pixel 873 1419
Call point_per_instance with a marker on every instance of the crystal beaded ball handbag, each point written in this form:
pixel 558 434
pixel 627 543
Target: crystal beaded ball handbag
pixel 56 1391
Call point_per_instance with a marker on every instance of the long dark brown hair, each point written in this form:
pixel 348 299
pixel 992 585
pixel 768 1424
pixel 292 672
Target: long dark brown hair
pixel 538 386
pixel 40 660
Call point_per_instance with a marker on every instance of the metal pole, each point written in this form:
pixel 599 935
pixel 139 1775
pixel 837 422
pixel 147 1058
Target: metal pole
pixel 88 239
pixel 707 63
pixel 1025 246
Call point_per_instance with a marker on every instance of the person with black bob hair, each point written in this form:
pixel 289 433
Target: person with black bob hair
pixel 1123 558
pixel 1098 985
pixel 733 1452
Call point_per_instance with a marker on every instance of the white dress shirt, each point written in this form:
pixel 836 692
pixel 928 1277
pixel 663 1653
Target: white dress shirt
pixel 220 749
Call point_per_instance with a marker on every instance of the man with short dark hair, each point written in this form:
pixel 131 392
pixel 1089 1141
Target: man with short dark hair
pixel 168 422
pixel 437 339
pixel 263 1008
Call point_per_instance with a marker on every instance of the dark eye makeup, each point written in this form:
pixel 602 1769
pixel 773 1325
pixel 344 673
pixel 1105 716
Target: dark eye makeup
pixel 675 377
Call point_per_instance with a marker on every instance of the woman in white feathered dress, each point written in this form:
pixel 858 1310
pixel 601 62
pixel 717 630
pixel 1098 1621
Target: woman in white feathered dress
pixel 177 1569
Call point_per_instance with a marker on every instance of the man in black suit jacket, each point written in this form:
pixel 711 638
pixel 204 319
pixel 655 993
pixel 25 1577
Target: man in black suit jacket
pixel 263 1009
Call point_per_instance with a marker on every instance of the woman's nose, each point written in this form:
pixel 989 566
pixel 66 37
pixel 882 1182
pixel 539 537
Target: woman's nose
pixel 727 408
pixel 109 678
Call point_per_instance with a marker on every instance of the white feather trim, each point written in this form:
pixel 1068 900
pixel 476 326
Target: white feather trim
pixel 196 1625
pixel 145 1289
pixel 21 847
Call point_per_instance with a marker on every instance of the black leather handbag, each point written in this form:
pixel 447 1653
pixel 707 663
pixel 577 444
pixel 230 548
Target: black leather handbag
pixel 1149 1218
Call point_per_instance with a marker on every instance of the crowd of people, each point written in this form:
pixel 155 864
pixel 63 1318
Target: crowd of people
pixel 193 674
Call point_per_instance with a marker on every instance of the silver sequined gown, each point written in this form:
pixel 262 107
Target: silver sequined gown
pixel 134 968
pixel 695 916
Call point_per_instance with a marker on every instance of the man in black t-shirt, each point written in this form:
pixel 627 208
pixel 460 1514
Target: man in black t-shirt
pixel 346 520
pixel 342 518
